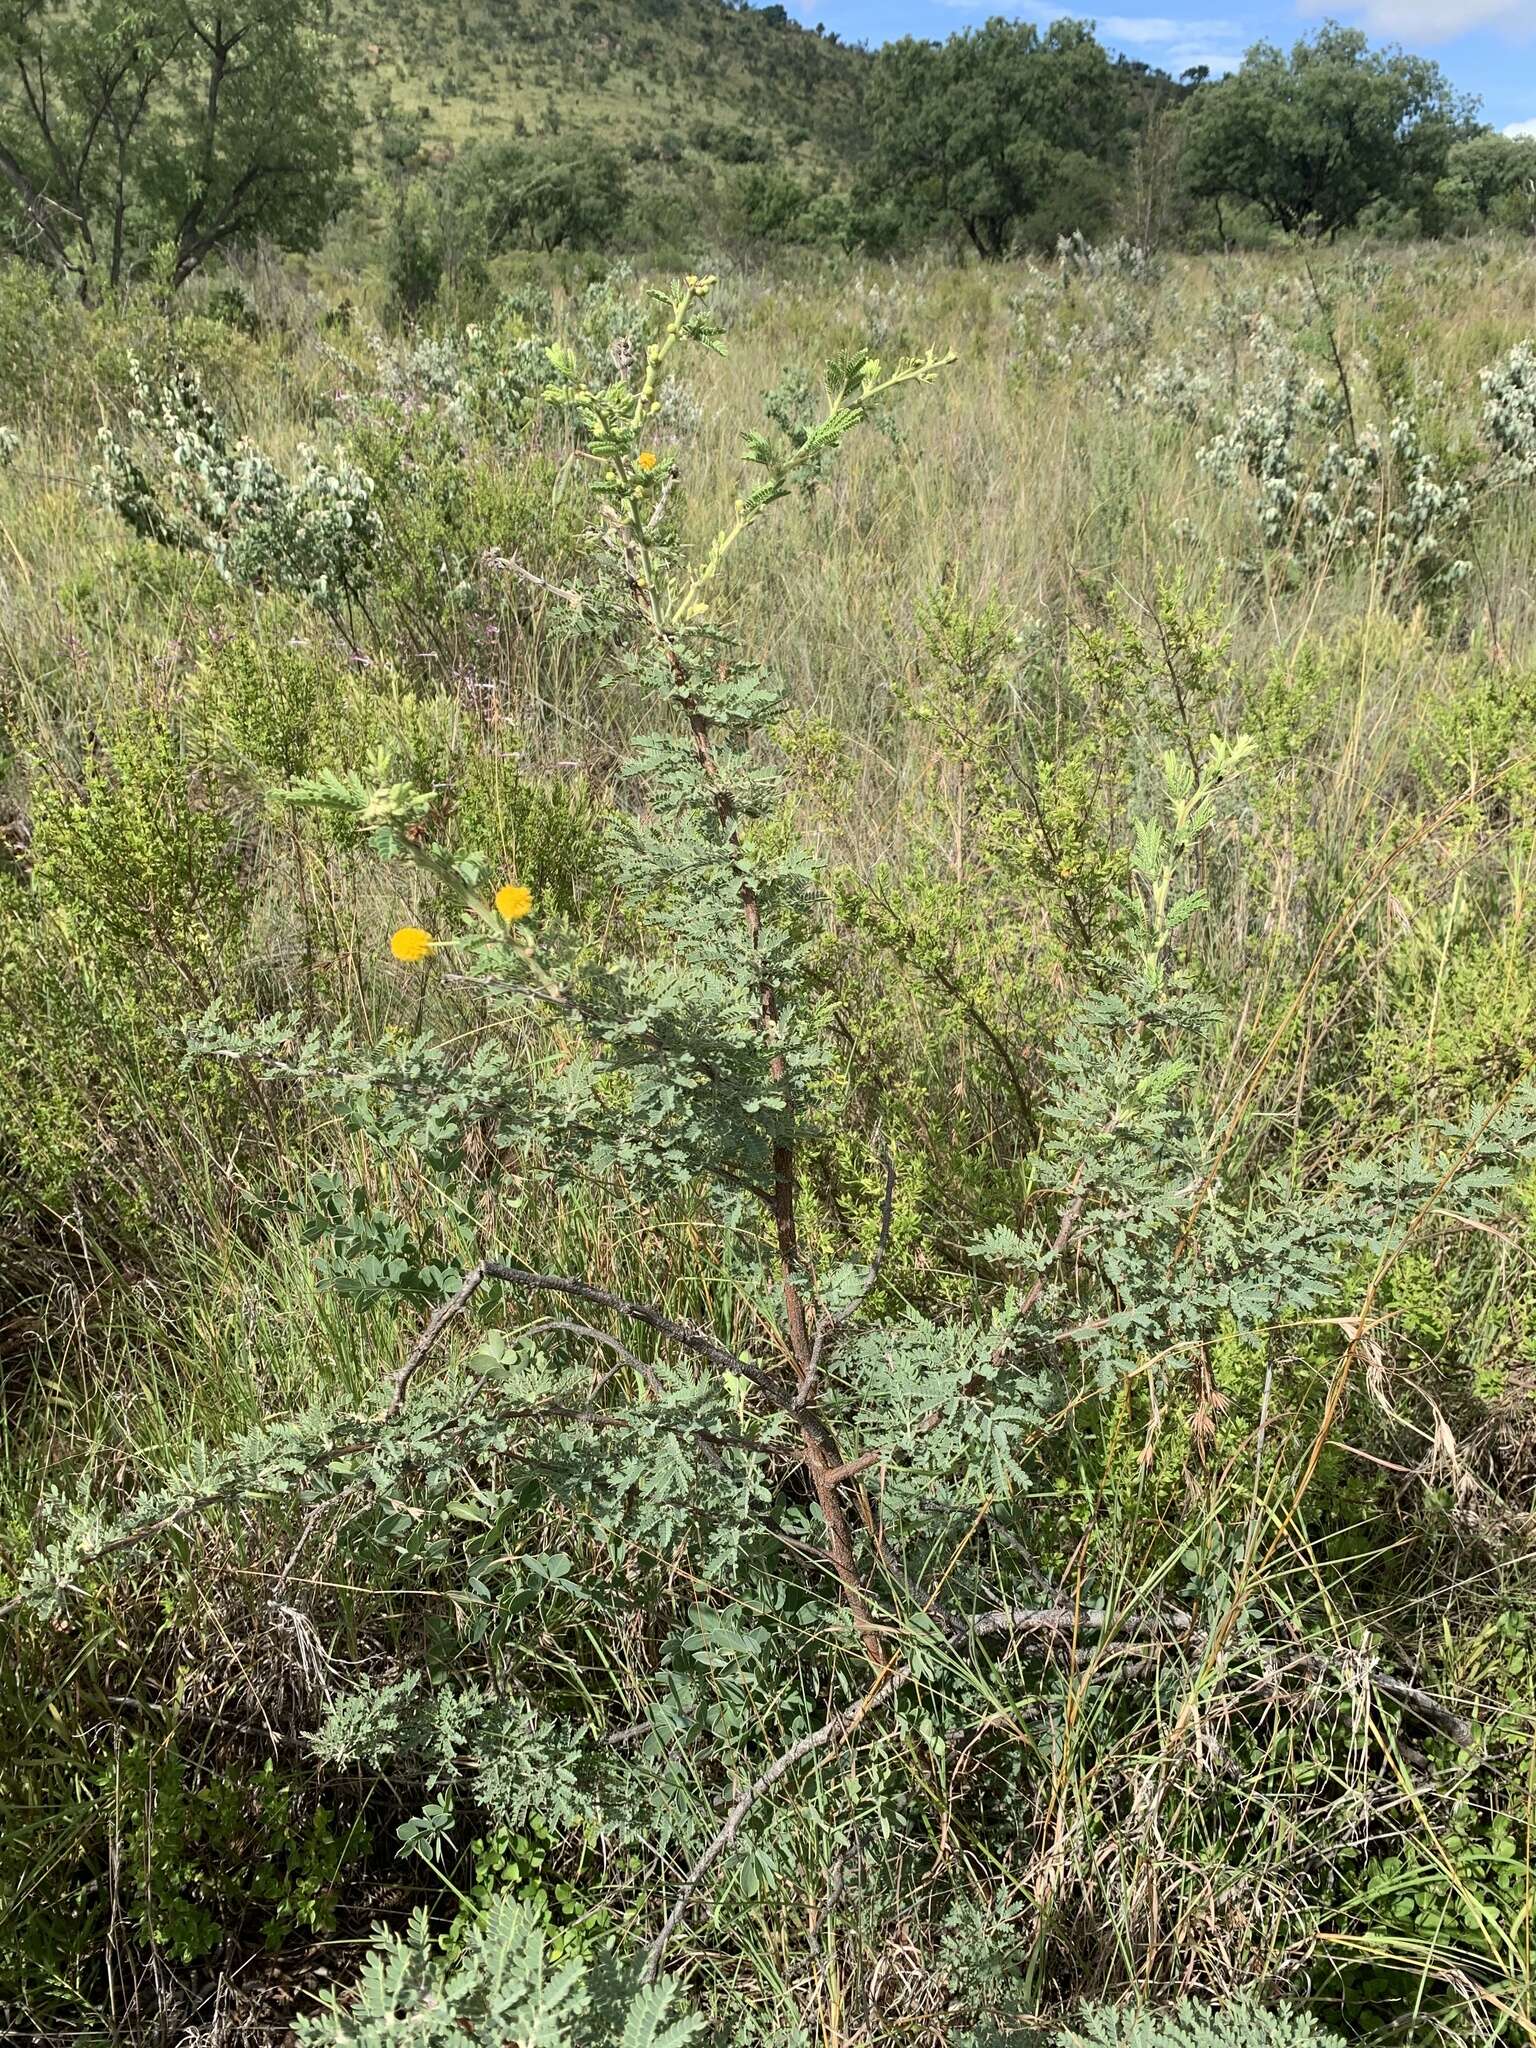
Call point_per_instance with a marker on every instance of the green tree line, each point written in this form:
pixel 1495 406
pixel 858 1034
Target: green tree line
pixel 143 141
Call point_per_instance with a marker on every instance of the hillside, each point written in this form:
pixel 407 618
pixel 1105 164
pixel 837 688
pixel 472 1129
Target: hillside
pixel 679 75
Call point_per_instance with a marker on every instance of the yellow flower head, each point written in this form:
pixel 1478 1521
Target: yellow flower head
pixel 514 901
pixel 646 460
pixel 410 943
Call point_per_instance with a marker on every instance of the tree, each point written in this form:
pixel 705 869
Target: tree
pixel 1490 177
pixel 414 259
pixel 979 131
pixel 766 204
pixel 176 125
pixel 437 237
pixel 1314 138
pixel 546 196
pixel 1155 194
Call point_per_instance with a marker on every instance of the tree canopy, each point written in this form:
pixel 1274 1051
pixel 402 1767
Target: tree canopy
pixel 547 194
pixel 1490 177
pixel 976 133
pixel 179 126
pixel 1315 138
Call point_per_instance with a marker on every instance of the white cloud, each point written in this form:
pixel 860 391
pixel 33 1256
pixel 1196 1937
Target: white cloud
pixel 1174 44
pixel 1521 129
pixel 1136 28
pixel 1184 57
pixel 1434 20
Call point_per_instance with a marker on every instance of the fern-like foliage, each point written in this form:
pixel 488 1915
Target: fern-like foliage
pixel 502 1986
pixel 1189 2025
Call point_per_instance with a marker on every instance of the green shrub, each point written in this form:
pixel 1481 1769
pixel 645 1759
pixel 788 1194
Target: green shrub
pixel 36 331
pixel 207 1860
pixel 183 481
pixel 1192 2026
pixel 275 708
pixel 678 1598
pixel 911 1389
pixel 128 917
pixel 501 1986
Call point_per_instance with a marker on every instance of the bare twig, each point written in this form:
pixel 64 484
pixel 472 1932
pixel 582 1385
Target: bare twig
pixel 1329 329
pixel 836 1726
pixel 1066 1621
pixel 1424 1704
pixel 699 1342
pixel 494 559
pixel 1043 1621
pixel 605 1338
pixel 437 1322
pixel 1076 1195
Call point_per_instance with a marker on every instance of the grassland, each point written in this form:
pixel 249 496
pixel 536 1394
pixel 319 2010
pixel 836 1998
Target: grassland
pixel 1148 503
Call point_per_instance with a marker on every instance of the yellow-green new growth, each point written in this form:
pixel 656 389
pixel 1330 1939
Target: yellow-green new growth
pixel 674 599
pixel 852 388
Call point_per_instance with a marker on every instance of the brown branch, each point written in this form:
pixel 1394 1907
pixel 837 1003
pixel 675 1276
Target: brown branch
pixel 236 1493
pixel 37 206
pixel 699 1342
pixel 819 1446
pixel 1052 1621
pixel 839 1724
pixel 821 1453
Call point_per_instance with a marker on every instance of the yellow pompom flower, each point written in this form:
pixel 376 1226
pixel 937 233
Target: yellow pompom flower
pixel 514 901
pixel 410 943
pixel 646 460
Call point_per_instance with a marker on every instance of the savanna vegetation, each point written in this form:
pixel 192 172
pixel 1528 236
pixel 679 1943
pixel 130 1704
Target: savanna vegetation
pixel 768 1159
pixel 140 143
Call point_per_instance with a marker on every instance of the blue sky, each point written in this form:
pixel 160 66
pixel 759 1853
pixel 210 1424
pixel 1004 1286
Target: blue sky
pixel 1487 47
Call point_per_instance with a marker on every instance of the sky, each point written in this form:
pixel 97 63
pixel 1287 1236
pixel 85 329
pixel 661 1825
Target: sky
pixel 1486 47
